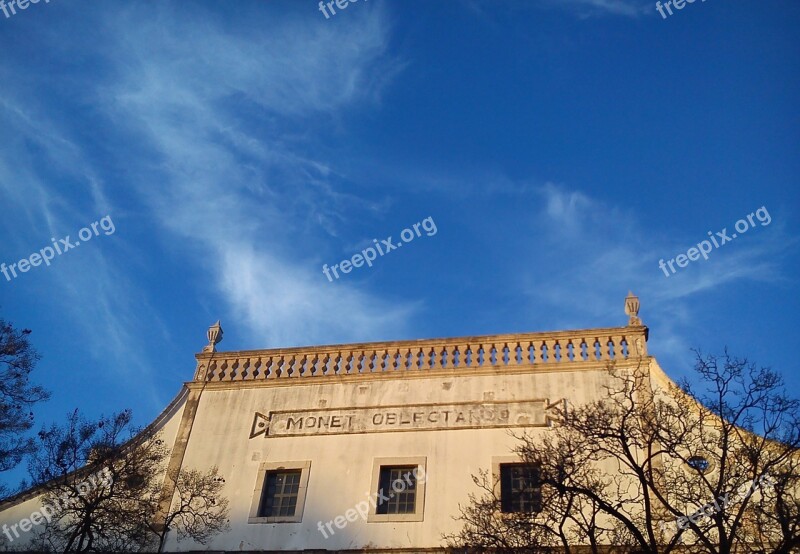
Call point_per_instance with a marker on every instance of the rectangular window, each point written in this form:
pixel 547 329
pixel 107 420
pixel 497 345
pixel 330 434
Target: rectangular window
pixel 398 489
pixel 280 494
pixel 520 490
pixel 399 485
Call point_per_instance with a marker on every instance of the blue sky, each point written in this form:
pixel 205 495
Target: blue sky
pixel 562 147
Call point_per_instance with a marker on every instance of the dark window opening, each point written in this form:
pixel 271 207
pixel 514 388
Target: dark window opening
pixel 520 489
pixel 279 498
pixel 397 490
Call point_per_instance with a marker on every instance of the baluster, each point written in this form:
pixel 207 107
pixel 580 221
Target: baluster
pixel 469 357
pixel 517 354
pixel 536 352
pixel 581 353
pixel 431 358
pixel 597 353
pixel 544 352
pixel 442 357
pixel 504 355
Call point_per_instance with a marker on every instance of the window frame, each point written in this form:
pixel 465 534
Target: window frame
pixel 497 463
pixel 385 484
pixel 261 482
pixel 420 462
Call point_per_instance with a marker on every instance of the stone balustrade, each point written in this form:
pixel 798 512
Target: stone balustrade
pixel 457 354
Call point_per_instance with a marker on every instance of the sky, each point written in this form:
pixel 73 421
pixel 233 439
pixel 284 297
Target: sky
pixel 551 152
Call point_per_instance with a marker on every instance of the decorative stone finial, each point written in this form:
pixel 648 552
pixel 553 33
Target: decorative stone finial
pixel 632 309
pixel 214 335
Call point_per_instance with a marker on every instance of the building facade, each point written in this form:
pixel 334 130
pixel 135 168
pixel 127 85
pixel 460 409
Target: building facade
pixel 373 446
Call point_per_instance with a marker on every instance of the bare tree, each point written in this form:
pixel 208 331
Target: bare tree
pixel 17 395
pixel 102 480
pixel 199 511
pixel 94 514
pixel 657 469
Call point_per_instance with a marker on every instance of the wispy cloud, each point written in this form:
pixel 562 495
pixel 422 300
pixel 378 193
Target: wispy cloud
pixel 107 308
pixel 580 8
pixel 594 252
pixel 588 8
pixel 248 203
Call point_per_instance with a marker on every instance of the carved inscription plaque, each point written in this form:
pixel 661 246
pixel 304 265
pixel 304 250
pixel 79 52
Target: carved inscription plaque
pixel 420 417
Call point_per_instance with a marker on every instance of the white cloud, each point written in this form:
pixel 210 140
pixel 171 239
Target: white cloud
pixel 247 223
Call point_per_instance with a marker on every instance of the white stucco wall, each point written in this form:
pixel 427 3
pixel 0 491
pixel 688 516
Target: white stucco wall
pixel 341 465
